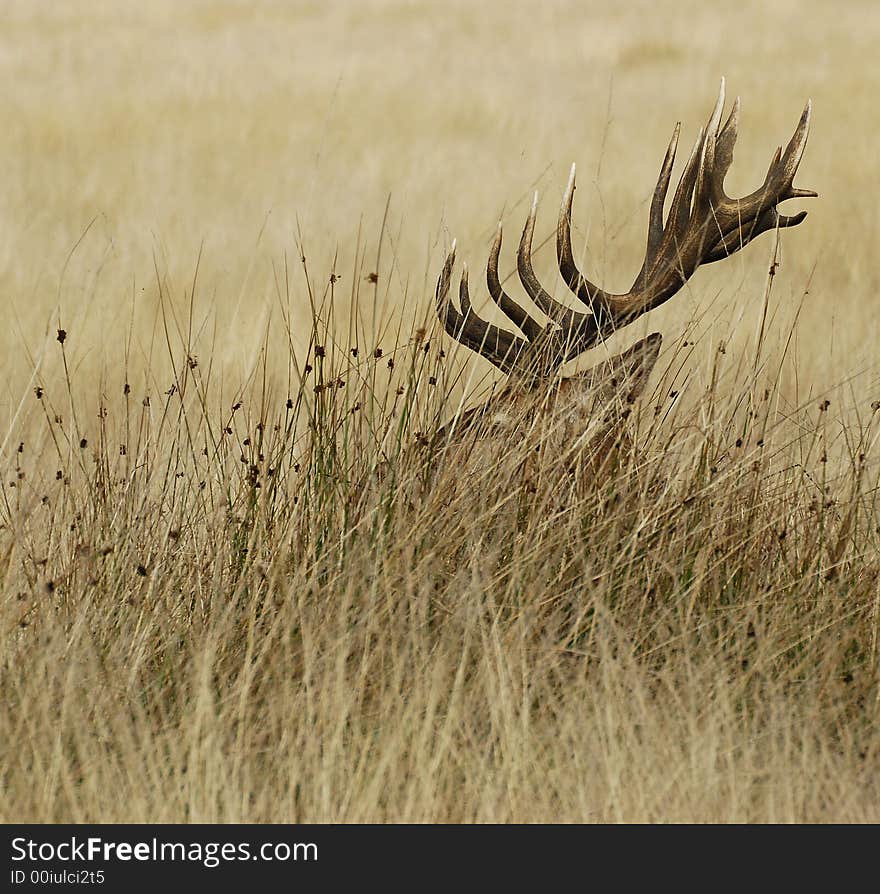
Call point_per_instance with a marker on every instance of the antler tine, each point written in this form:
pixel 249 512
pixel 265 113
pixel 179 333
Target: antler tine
pixel 730 243
pixel 680 210
pixel 793 154
pixel 774 163
pixel 531 327
pixel 724 146
pixel 655 218
pixel 706 174
pixel 497 345
pixel 574 279
pixel 444 308
pixel 566 317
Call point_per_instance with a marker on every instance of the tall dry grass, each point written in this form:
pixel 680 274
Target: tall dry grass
pixel 234 586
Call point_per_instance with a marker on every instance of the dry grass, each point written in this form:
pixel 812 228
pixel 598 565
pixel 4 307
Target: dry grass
pixel 214 609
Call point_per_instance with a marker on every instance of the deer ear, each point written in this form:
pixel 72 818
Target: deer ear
pixel 627 373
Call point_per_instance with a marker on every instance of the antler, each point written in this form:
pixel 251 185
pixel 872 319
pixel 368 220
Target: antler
pixel 703 225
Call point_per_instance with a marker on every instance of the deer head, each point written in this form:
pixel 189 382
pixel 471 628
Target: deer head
pixel 703 224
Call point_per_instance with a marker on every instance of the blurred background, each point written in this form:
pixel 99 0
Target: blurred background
pixel 140 141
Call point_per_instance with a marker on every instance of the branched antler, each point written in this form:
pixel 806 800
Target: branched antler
pixel 703 224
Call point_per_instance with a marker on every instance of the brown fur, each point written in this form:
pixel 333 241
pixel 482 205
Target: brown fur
pixel 575 426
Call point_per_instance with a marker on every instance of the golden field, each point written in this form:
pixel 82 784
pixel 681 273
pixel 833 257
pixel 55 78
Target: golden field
pixel 208 615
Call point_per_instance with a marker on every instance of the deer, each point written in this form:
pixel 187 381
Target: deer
pixel 579 421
